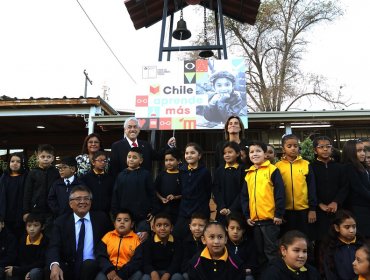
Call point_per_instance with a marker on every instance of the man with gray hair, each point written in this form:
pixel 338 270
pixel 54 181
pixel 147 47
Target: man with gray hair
pixel 121 148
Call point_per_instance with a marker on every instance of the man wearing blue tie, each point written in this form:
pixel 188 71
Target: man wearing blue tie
pixel 71 252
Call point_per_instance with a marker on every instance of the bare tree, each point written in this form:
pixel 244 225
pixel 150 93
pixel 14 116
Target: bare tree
pixel 273 48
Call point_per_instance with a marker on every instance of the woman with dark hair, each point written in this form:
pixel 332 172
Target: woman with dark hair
pixel 353 156
pixel 11 194
pixel 92 143
pixel 234 132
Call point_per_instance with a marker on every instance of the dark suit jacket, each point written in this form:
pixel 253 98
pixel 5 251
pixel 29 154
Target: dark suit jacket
pixel 62 246
pixel 120 150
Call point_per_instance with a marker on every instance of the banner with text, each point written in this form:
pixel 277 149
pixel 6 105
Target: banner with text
pixel 191 94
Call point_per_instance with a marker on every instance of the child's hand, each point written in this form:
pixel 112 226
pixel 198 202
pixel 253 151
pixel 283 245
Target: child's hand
pixel 154 275
pixel 250 222
pixel 9 271
pixel 113 276
pixel 278 221
pixel 143 236
pixel 332 207
pixel 164 200
pixel 25 217
pixel 225 211
pixel 27 277
pixel 170 197
pixel 323 207
pixel 166 276
pixel 311 217
pixel 172 142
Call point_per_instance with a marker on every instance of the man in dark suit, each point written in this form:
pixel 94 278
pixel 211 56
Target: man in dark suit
pixel 121 148
pixel 71 252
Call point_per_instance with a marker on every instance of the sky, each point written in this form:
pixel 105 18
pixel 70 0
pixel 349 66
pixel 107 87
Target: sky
pixel 46 45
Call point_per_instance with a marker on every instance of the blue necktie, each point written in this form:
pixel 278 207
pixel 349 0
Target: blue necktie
pixel 80 250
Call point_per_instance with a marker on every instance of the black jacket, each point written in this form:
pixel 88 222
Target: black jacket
pixel 277 270
pixel 134 190
pixel 331 182
pixel 227 186
pixel 120 150
pixel 30 256
pixel 58 198
pixel 11 198
pixel 62 246
pixel 8 248
pixel 101 186
pixel 196 191
pixel 38 184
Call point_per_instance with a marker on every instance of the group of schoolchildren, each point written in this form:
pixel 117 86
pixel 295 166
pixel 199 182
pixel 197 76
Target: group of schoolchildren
pixel 268 214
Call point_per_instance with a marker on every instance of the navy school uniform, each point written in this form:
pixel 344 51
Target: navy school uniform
pixel 8 248
pixel 359 198
pixel 30 256
pixel 165 184
pixel 203 267
pixel 134 190
pixel 36 190
pixel 331 186
pixel 227 185
pixel 190 247
pixel 195 197
pixel 101 186
pixel 246 251
pixel 159 256
pixel 278 270
pixel 58 198
pixel 11 202
pixel 337 261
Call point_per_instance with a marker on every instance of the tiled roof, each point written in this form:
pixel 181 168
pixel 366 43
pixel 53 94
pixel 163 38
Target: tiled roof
pixel 145 13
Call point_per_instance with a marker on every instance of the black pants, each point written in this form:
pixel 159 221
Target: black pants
pixel 89 270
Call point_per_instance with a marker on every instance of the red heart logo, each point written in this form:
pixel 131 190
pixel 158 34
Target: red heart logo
pixel 142 122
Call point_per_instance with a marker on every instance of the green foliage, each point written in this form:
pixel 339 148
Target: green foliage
pixel 32 161
pixel 307 150
pixel 3 165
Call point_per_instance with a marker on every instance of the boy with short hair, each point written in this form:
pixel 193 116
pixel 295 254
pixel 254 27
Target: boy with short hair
pixel 225 101
pixel 118 253
pixel 193 242
pixel 134 190
pixel 58 198
pixel 32 247
pixel 161 253
pixel 263 201
pixel 8 249
pixel 38 184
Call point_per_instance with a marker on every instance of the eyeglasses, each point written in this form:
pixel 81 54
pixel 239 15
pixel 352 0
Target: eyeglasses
pixel 324 146
pixel 101 160
pixel 93 142
pixel 81 199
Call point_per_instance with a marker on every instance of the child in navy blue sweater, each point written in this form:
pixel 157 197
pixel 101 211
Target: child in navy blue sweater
pixel 134 190
pixel 338 251
pixel 196 189
pixel 11 194
pixel 228 182
pixel 58 198
pixel 240 245
pixel 100 183
pixel 168 184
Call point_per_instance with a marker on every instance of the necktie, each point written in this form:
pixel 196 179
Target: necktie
pixel 134 144
pixel 68 184
pixel 80 249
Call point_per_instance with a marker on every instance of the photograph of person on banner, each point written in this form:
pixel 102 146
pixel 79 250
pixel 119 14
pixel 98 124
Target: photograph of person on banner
pixel 224 100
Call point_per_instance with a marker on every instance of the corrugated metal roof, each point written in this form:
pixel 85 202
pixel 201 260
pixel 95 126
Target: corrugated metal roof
pixel 145 13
